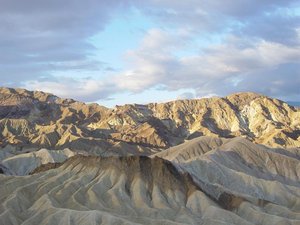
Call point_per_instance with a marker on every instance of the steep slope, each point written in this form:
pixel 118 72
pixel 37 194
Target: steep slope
pixel 252 172
pixel 141 190
pixel 261 119
pixel 43 120
pixel 217 175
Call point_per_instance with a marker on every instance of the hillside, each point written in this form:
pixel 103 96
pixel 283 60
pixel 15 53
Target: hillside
pixel 203 181
pixel 232 160
pixel 37 119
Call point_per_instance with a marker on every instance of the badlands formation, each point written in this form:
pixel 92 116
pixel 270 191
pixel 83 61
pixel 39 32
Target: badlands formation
pixel 37 119
pixel 232 160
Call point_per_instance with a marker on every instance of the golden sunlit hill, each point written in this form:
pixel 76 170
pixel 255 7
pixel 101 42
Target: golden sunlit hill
pixel 232 160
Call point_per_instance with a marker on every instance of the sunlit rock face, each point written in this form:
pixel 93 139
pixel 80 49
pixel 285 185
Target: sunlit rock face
pixel 232 160
pixel 39 119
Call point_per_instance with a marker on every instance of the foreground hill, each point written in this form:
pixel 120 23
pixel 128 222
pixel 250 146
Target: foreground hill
pixel 204 181
pixel 232 160
pixel 37 119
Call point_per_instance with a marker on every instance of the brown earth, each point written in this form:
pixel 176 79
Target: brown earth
pixel 37 119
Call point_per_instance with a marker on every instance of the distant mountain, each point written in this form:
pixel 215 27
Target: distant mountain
pixel 215 161
pixel 36 119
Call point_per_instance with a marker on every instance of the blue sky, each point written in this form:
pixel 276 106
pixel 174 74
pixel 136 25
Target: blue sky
pixel 151 51
pixel 121 34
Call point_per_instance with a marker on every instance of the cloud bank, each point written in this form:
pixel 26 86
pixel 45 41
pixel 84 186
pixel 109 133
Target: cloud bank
pixel 218 47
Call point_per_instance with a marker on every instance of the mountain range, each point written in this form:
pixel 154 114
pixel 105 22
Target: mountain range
pixel 29 119
pixel 231 160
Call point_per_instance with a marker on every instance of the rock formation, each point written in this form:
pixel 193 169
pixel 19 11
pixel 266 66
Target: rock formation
pixel 232 160
pixel 208 181
pixel 39 119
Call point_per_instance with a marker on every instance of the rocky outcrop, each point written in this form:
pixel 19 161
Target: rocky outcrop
pixel 44 120
pixel 209 161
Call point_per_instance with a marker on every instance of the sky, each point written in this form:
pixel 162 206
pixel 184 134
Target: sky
pixel 134 51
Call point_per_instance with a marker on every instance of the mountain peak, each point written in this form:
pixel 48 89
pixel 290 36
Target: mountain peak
pixel 144 127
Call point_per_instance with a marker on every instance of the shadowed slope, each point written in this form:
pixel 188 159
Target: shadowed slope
pixel 114 190
pixel 139 190
pixel 248 174
pixel 39 119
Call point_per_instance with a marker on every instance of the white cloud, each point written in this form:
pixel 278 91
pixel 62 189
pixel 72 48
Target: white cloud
pixel 186 95
pixel 219 69
pixel 209 46
pixel 44 37
pixel 84 90
pixel 234 65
